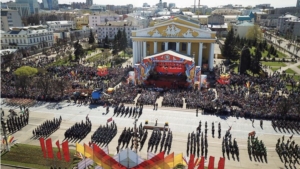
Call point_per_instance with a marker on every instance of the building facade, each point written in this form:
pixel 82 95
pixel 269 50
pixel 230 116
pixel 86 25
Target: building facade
pixel 10 18
pixel 81 21
pixel 60 25
pixel 22 8
pixel 176 34
pixel 34 6
pixel 89 3
pixel 241 29
pixel 50 4
pixel 111 31
pixel 298 4
pixel 102 18
pixel 26 37
pixel 282 24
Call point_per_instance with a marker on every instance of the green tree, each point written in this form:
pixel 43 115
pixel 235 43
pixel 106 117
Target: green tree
pixel 23 77
pixel 229 50
pixel 91 38
pixel 124 41
pixel 26 71
pixel 255 62
pixel 106 42
pixel 79 52
pixel 245 60
pixel 254 33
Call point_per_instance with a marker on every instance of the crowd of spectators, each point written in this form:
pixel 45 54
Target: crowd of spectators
pixel 173 98
pixel 148 97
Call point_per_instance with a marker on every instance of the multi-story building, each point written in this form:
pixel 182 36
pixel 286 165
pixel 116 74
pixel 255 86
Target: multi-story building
pixel 78 5
pixel 26 37
pixel 33 5
pixel 10 18
pixel 22 8
pixel 282 24
pixel 298 4
pixel 226 12
pixel 240 29
pixel 81 21
pixel 98 8
pixel 89 3
pixel 111 31
pixel 146 5
pixel 102 18
pixel 165 5
pixel 264 6
pixel 172 5
pixel 60 25
pixel 50 4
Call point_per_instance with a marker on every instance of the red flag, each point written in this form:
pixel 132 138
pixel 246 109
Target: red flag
pixel 201 165
pixel 58 153
pixel 49 148
pixel 42 142
pixel 65 148
pixel 211 162
pixel 109 120
pixel 191 162
pixel 221 164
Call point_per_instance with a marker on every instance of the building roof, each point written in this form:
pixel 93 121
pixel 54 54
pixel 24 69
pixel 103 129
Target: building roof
pixel 245 24
pixel 171 52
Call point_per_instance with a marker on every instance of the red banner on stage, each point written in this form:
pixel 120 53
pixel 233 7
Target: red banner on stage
pixel 65 148
pixel 102 71
pixel 211 162
pixel 221 164
pixel 58 154
pixel 49 148
pixel 42 143
pixel 191 162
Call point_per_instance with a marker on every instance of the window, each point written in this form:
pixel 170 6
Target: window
pixel 183 47
pixel 30 41
pixel 162 46
pixel 24 41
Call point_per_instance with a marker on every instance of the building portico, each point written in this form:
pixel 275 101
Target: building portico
pixel 179 35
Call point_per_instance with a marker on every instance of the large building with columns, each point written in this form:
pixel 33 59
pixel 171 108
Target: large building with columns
pixel 183 36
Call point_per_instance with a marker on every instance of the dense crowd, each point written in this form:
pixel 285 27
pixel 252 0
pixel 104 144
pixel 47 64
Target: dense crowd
pixel 148 97
pixel 173 98
pixel 125 93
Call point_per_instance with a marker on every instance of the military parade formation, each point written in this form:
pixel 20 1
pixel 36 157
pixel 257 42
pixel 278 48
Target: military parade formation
pixel 47 128
pixel 79 130
pixel 256 149
pixel 289 151
pixel 134 112
pixel 15 122
pixel 229 147
pixel 104 134
pixel 282 125
pixel 156 138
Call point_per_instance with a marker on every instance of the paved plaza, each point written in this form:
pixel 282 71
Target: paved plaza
pixel 181 122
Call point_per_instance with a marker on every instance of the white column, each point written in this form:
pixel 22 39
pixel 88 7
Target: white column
pixel 139 51
pixel 145 49
pixel 200 54
pixel 211 56
pixel 166 45
pixel 155 47
pixel 189 48
pixel 134 48
pixel 177 46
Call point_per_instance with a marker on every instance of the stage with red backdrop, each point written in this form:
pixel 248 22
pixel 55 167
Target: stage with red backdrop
pixel 168 69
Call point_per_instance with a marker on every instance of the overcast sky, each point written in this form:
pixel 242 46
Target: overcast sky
pixel 184 3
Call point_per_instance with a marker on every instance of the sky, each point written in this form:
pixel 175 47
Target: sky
pixel 185 3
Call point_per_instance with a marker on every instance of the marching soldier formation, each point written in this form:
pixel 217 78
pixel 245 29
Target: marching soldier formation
pixel 194 140
pixel 283 125
pixel 165 141
pixel 125 138
pixel 256 148
pixel 135 112
pixel 47 128
pixel 288 152
pixel 104 134
pixel 16 123
pixel 79 131
pixel 228 147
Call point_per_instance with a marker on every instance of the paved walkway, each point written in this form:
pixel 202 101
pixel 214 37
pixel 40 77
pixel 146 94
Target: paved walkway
pixel 181 122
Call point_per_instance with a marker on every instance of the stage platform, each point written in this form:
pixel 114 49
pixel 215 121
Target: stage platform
pixel 160 126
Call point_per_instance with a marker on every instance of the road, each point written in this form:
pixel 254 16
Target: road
pixel 181 122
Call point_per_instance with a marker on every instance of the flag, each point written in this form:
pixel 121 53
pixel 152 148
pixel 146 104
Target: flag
pixel 65 148
pixel 88 151
pixel 58 153
pixel 42 143
pixel 79 148
pixel 169 161
pixel 178 159
pixel 191 162
pixel 211 162
pixel 11 138
pixel 201 165
pixel 49 148
pixel 109 120
pixel 221 164
pixel 156 159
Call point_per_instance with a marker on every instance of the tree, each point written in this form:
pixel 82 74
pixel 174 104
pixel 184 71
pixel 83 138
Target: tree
pixel 255 62
pixel 106 42
pixel 245 60
pixel 254 33
pixel 79 52
pixel 23 77
pixel 91 38
pixel 124 41
pixel 26 71
pixel 229 50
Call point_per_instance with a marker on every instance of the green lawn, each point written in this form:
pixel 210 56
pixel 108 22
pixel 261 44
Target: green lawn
pixel 32 157
pixel 265 53
pixel 289 70
pixel 95 57
pixel 281 64
pixel 274 68
pixel 298 66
